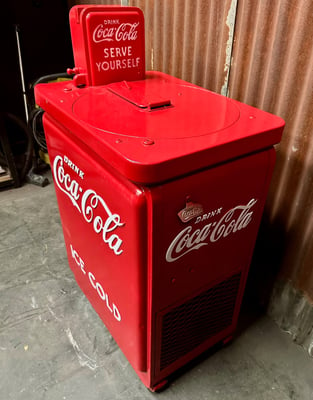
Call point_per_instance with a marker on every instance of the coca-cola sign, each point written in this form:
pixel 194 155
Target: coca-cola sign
pixel 192 210
pixel 125 31
pixel 116 50
pixel 190 239
pixel 89 204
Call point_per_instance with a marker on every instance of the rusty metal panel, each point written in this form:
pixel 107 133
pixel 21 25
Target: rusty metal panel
pixel 189 39
pixel 272 69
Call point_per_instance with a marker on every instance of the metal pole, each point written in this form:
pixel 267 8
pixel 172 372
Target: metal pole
pixel 21 71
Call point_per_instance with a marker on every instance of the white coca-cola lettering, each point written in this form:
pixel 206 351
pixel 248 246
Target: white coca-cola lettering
pixel 102 34
pixel 90 201
pixel 91 205
pixel 65 183
pixel 231 222
pixel 227 225
pixel 125 31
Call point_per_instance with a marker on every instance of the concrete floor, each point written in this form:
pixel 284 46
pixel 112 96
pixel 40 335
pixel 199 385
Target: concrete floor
pixel 53 346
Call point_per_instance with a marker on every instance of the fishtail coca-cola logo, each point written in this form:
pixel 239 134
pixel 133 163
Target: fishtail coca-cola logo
pixel 190 239
pixel 125 31
pixel 191 211
pixel 91 206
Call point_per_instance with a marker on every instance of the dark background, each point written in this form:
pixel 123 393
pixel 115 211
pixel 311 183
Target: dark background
pixel 45 46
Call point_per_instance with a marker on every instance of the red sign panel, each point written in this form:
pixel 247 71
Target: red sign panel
pixel 108 44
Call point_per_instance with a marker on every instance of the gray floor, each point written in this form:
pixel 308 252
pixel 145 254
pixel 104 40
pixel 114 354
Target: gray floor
pixel 53 346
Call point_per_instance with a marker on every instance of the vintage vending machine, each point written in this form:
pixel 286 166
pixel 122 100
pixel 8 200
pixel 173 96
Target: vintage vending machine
pixel 161 187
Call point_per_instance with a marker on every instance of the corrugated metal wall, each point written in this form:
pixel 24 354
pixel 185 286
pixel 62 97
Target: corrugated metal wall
pixel 188 39
pixel 273 69
pixel 259 52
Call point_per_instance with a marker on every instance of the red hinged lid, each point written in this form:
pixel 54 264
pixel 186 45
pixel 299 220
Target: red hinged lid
pixel 140 94
pixel 108 44
pixel 156 109
pixel 159 128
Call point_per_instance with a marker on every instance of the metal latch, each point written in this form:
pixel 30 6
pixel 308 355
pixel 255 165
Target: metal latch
pixel 140 94
pixel 159 104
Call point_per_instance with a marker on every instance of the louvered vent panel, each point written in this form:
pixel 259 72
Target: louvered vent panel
pixel 187 326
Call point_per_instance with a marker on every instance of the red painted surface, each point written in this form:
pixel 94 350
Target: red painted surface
pixel 108 43
pixel 161 187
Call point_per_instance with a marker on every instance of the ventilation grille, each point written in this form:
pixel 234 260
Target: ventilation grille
pixel 190 324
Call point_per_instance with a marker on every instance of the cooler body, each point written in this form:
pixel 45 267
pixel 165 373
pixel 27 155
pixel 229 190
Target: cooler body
pixel 161 186
pixel 164 265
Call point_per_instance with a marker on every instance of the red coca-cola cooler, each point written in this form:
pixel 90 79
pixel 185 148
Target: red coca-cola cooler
pixel 161 186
